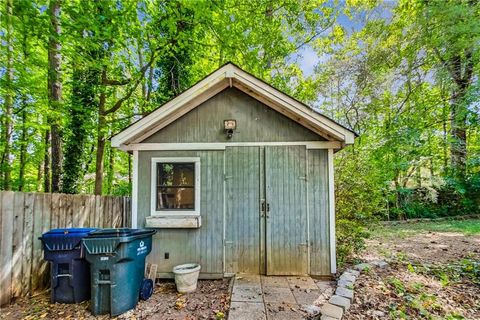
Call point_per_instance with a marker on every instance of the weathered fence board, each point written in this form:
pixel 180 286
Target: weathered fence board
pixel 25 216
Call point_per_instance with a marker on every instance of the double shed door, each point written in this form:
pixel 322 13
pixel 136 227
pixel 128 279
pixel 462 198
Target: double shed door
pixel 266 210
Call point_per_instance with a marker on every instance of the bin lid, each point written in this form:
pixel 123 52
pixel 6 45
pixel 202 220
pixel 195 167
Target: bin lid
pixel 119 232
pixel 68 232
pixel 64 239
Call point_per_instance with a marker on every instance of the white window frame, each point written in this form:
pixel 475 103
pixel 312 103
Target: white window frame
pixel 153 195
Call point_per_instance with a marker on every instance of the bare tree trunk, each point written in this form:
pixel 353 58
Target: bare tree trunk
pixel 39 177
pixel 46 163
pixel 100 143
pixel 458 123
pixel 23 148
pixel 8 102
pixel 24 134
pixel 111 163
pixel 55 90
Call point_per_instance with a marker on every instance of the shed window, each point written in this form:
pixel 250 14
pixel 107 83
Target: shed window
pixel 175 185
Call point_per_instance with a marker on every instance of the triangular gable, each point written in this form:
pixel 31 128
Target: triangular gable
pixel 232 76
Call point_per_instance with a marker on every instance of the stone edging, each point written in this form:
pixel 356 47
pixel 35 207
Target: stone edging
pixel 340 302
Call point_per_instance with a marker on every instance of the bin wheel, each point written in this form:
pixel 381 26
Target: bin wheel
pixel 146 290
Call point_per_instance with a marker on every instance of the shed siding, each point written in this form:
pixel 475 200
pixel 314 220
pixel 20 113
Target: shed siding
pixel 285 171
pixel 318 212
pixel 203 245
pixel 243 221
pixel 256 122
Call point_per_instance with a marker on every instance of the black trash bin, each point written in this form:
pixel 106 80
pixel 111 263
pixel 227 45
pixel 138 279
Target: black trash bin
pixel 69 272
pixel 117 264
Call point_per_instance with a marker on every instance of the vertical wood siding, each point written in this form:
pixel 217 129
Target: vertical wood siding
pixel 203 245
pixel 243 229
pixel 285 171
pixel 256 122
pixel 26 216
pixel 318 212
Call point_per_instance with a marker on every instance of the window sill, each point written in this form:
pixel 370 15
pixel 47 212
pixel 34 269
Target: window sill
pixel 169 222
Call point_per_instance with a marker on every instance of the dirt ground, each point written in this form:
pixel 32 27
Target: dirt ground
pixel 432 275
pixel 210 301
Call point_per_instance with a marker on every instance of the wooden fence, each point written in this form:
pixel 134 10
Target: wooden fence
pixel 25 216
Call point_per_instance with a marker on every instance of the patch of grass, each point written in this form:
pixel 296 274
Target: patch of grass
pixel 403 230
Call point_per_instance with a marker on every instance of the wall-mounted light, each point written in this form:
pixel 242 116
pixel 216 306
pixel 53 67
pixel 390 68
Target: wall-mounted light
pixel 229 126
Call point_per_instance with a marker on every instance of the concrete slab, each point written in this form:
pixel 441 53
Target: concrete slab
pixel 301 283
pixel 247 311
pixel 278 295
pixel 247 294
pixel 272 281
pixel 283 311
pixel 248 280
pixel 325 284
pixel 273 297
pixel 305 296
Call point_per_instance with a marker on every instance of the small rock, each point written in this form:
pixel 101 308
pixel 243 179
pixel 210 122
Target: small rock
pixel 345 283
pixel 348 276
pixel 356 273
pixel 362 266
pixel 344 292
pixel 331 310
pixel 378 313
pixel 327 318
pixel 311 309
pixel 380 263
pixel 342 302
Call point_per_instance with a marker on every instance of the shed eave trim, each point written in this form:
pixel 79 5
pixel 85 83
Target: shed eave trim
pixel 223 146
pixel 218 81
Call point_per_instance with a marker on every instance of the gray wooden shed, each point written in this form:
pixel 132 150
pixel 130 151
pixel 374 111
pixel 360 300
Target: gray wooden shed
pixel 238 177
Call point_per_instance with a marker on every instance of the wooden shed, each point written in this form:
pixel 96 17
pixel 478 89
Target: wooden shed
pixel 238 177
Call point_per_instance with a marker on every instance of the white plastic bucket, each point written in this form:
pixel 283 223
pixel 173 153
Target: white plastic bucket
pixel 186 276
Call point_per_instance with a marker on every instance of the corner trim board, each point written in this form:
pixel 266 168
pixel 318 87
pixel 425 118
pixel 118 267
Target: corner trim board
pixel 135 189
pixel 331 208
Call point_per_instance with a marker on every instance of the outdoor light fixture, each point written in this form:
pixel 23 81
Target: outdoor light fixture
pixel 228 127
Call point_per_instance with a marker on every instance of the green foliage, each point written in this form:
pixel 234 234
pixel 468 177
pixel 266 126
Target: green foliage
pixel 351 236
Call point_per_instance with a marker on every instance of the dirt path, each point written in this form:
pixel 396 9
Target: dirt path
pixel 432 275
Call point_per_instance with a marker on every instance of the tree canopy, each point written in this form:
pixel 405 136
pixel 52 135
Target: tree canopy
pixel 404 75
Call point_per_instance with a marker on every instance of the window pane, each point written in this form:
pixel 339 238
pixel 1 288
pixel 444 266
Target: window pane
pixel 175 198
pixel 176 174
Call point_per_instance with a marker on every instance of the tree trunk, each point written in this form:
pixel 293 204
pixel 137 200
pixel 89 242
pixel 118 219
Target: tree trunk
pixel 8 100
pixel 46 163
pixel 24 134
pixel 111 163
pixel 458 135
pixel 100 143
pixel 55 91
pixel 82 106
pixel 23 147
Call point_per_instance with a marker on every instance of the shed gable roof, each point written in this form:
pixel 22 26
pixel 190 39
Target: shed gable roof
pixel 226 76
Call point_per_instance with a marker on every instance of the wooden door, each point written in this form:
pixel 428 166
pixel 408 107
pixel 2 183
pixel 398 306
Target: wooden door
pixel 286 222
pixel 243 221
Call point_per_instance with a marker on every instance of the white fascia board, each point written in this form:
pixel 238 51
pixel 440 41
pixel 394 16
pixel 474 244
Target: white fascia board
pixel 171 106
pixel 224 145
pixel 328 125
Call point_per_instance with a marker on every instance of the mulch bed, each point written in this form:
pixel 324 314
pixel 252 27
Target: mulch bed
pixel 211 300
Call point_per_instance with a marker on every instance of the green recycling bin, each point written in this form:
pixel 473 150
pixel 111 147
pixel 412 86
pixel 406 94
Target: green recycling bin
pixel 117 268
